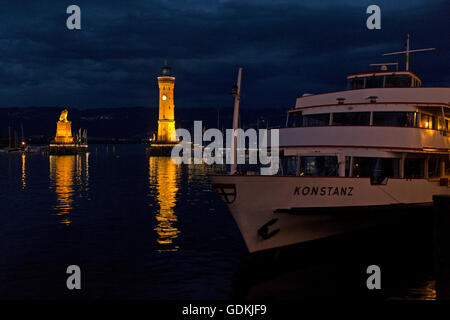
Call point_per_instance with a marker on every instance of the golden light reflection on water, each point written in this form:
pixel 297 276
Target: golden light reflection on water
pixel 430 290
pixel 24 172
pixel 64 171
pixel 164 175
pixel 427 291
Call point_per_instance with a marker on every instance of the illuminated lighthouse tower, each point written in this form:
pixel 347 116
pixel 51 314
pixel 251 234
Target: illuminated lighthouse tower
pixel 166 138
pixel 166 122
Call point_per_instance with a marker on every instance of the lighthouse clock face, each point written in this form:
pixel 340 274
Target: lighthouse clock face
pixel 164 97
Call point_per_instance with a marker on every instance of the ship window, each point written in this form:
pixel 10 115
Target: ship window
pixel 396 119
pixel 447 167
pixel 414 168
pixel 351 119
pixel 316 120
pixel 398 80
pixel 434 168
pixel 347 166
pixel 295 120
pixel 289 165
pixel 374 82
pixel 439 124
pixel 355 83
pixel 376 168
pixel 322 166
pixel 428 121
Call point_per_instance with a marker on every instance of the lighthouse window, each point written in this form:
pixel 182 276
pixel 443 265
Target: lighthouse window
pixel 396 119
pixel 316 120
pixel 323 166
pixel 351 119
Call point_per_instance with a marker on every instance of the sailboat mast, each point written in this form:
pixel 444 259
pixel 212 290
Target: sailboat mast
pixel 21 127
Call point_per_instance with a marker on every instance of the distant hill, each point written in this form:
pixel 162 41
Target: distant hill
pixel 131 123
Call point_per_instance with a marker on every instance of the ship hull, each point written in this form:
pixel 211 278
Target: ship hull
pixel 275 211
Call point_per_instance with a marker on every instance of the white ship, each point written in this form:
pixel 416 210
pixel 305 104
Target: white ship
pixel 347 159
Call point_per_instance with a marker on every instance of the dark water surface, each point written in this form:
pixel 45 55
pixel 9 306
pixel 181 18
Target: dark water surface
pixel 138 227
pixel 142 227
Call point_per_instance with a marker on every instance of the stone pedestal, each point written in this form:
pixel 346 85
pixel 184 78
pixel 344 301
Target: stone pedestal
pixel 166 131
pixel 63 132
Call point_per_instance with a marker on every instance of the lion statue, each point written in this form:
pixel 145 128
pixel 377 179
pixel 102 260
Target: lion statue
pixel 63 116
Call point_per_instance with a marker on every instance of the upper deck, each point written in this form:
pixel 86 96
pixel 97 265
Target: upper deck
pixel 377 115
pixel 383 79
pixel 386 87
pixel 417 96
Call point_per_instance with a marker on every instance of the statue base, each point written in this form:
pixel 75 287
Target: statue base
pixel 63 132
pixel 67 148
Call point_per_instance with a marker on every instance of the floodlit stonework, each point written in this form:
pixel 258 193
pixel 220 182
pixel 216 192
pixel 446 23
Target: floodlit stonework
pixel 63 129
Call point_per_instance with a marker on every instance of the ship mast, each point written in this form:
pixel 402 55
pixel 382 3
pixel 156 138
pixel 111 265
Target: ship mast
pixel 236 90
pixel 407 52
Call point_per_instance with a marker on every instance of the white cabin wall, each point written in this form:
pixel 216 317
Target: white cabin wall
pixel 410 95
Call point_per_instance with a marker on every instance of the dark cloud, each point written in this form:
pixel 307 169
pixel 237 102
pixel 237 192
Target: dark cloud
pixel 286 48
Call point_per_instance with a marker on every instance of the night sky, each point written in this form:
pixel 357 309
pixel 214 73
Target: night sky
pixel 286 48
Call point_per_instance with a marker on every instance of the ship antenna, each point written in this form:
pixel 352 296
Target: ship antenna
pixel 407 52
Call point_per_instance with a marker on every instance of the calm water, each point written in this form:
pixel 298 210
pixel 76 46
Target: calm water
pixel 145 228
pixel 138 227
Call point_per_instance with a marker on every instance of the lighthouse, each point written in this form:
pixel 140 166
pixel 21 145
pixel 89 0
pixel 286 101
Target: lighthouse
pixel 166 138
pixel 166 122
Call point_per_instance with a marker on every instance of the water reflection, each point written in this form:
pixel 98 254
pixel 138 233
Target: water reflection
pixel 164 174
pixel 24 173
pixel 68 173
